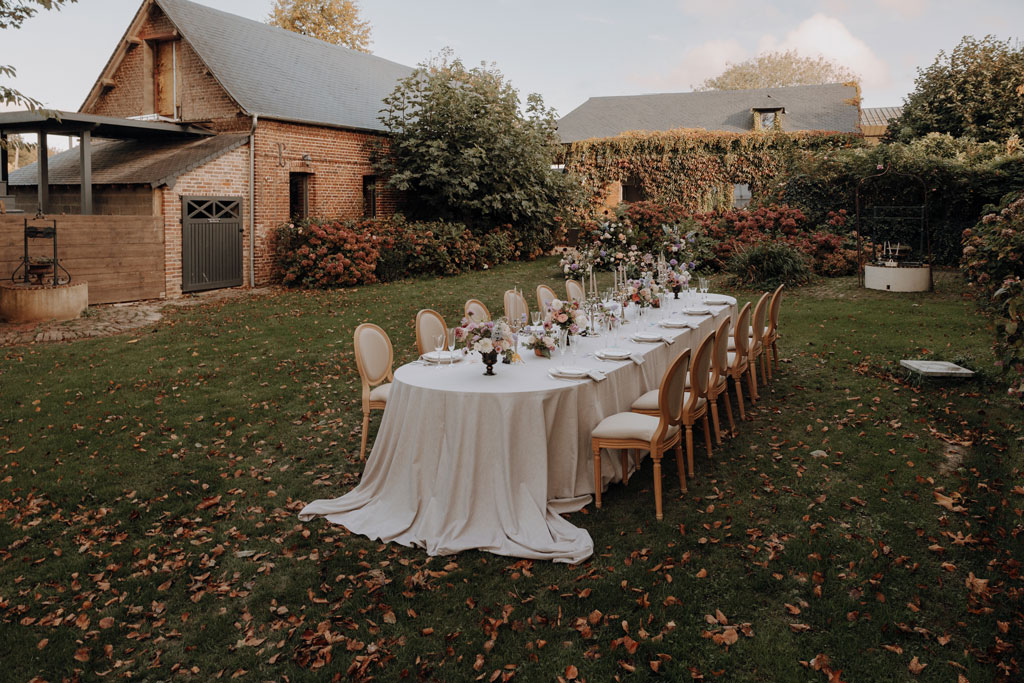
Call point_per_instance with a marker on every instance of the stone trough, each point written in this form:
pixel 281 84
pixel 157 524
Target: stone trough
pixel 25 303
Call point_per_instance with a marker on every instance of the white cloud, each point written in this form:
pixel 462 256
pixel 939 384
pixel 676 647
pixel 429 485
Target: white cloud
pixel 828 37
pixel 697 64
pixel 907 9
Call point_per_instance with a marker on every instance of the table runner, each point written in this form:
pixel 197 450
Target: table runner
pixel 462 461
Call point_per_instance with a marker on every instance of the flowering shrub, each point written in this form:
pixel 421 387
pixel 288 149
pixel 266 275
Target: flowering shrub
pixel 331 253
pixel 325 254
pixel 993 260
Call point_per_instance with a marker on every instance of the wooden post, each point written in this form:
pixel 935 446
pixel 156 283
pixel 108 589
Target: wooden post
pixel 3 162
pixel 85 162
pixel 44 173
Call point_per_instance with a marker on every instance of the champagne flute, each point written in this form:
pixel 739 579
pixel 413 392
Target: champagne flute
pixel 439 342
pixel 451 347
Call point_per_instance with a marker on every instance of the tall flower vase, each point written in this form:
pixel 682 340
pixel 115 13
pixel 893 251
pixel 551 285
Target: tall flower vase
pixel 490 358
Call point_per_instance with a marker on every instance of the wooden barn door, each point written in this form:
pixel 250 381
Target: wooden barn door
pixel 211 243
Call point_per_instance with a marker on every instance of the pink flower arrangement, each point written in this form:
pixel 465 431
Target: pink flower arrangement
pixel 565 315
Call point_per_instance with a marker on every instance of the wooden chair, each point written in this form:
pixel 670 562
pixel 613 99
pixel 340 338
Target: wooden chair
pixel 574 290
pixel 695 398
pixel 476 311
pixel 374 358
pixel 771 333
pixel 756 350
pixel 718 384
pixel 737 358
pixel 429 325
pixel 544 296
pixel 657 435
pixel 515 305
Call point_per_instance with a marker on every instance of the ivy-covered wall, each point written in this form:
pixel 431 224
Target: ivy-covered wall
pixel 696 168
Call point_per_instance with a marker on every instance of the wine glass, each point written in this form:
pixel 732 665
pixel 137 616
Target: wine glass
pixel 563 341
pixel 703 289
pixel 536 317
pixel 451 347
pixel 439 342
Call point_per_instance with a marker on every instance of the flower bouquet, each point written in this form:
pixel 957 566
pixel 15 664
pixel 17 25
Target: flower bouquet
pixel 678 279
pixel 644 294
pixel 565 315
pixel 542 344
pixel 490 338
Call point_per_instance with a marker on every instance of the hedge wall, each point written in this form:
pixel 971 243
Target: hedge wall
pixel 960 178
pixel 695 168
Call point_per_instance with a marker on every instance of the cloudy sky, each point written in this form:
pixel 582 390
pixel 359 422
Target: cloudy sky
pixel 569 50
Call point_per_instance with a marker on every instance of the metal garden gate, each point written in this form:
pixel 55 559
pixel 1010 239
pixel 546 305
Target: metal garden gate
pixel 211 243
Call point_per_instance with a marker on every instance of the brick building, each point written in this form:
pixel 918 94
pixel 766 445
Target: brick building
pixel 294 123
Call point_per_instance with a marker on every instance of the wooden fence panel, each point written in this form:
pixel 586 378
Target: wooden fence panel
pixel 121 257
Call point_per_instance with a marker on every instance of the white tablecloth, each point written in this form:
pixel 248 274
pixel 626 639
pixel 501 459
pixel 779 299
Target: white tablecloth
pixel 464 461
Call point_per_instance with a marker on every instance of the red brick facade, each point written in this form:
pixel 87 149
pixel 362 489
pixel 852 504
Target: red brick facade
pixel 336 160
pixel 227 176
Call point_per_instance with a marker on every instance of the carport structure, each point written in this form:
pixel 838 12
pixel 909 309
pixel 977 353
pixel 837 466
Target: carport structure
pixel 85 126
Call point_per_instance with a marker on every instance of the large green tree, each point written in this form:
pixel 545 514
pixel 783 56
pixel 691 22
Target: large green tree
pixel 13 14
pixel 334 21
pixel 463 149
pixel 977 90
pixel 778 70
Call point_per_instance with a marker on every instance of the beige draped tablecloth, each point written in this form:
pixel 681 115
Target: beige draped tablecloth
pixel 464 461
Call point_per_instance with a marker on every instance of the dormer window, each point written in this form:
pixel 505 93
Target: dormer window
pixel 768 113
pixel 768 119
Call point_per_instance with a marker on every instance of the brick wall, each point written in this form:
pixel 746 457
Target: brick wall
pixel 107 200
pixel 338 160
pixel 226 176
pixel 199 97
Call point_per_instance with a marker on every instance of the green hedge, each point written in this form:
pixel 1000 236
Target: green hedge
pixel 993 260
pixel 960 178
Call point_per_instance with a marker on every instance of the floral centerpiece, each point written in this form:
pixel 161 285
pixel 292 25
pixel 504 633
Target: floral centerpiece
pixel 576 263
pixel 490 338
pixel 677 279
pixel 643 294
pixel 566 315
pixel 542 344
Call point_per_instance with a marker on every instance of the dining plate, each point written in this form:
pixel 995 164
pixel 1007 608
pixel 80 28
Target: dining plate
pixel 674 324
pixel 718 302
pixel 696 311
pixel 571 371
pixel 646 337
pixel 613 354
pixel 442 356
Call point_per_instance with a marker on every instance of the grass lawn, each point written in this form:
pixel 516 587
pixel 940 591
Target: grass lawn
pixel 862 523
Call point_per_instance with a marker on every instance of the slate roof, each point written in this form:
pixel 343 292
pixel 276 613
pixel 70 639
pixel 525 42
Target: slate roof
pixel 830 107
pixel 879 116
pixel 283 75
pixel 135 162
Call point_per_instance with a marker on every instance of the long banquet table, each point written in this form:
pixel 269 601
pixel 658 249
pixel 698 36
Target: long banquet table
pixel 464 461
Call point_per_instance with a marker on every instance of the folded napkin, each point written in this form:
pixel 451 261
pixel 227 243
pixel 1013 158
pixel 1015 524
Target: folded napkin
pixel 637 358
pixel 596 375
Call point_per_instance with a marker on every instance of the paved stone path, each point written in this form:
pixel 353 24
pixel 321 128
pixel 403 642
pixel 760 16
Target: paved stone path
pixel 108 319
